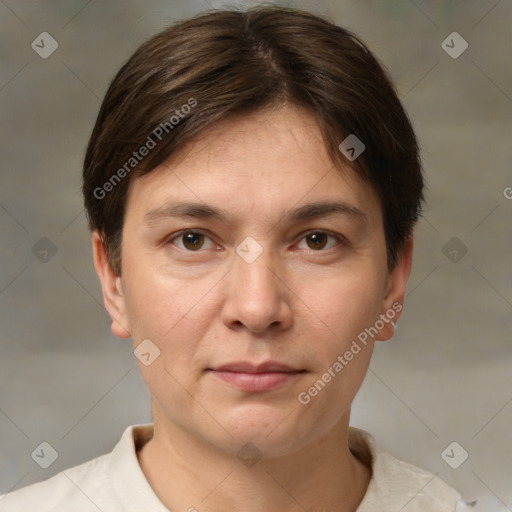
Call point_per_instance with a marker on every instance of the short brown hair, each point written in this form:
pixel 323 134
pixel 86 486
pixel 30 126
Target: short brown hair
pixel 228 63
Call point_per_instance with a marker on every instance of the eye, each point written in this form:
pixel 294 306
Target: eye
pixel 317 240
pixel 192 241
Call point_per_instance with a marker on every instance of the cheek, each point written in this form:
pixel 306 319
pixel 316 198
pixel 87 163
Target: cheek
pixel 156 303
pixel 346 304
pixel 341 310
pixel 168 315
pixel 328 395
pixel 174 313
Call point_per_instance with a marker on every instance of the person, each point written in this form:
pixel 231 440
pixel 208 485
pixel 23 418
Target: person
pixel 251 184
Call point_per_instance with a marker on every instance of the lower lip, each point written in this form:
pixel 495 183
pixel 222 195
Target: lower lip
pixel 256 381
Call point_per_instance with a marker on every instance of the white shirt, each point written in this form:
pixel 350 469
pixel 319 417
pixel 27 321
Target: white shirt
pixel 115 483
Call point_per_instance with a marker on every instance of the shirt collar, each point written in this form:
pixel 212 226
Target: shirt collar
pixel 126 476
pixel 391 481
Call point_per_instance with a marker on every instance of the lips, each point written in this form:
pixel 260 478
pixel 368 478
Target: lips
pixel 245 367
pixel 256 377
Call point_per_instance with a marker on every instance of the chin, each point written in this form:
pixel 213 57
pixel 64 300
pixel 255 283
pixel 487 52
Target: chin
pixel 271 430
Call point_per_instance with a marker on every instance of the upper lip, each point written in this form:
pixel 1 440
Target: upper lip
pixel 247 367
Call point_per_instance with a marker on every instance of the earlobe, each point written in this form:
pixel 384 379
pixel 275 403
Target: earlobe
pixel 393 302
pixel 113 296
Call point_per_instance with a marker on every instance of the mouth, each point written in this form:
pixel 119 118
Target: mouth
pixel 253 378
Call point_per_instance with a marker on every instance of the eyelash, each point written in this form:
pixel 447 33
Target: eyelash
pixel 340 238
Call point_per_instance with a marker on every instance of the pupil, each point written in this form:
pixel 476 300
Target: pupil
pixel 192 239
pixel 315 238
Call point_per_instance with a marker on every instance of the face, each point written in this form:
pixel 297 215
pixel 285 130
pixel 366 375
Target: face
pixel 226 262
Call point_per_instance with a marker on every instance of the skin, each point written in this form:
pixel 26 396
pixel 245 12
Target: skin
pixel 301 303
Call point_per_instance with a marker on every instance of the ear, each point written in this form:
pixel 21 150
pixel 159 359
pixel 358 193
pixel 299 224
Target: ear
pixel 393 302
pixel 113 297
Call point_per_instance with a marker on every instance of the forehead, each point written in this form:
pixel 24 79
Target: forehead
pixel 265 163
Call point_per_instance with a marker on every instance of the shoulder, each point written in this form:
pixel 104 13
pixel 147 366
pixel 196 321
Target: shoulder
pixel 90 486
pixel 77 488
pixel 398 485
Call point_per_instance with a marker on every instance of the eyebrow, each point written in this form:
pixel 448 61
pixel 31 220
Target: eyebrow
pixel 205 211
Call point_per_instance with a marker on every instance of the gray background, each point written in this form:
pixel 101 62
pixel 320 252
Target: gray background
pixel 446 376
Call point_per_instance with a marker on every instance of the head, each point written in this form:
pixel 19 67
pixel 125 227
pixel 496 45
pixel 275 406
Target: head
pixel 293 246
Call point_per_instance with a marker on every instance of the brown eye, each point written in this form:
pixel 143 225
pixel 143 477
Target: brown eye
pixel 318 240
pixel 192 241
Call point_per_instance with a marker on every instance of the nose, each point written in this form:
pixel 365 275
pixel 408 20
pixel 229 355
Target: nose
pixel 257 295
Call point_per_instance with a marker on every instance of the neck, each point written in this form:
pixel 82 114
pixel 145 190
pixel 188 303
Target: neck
pixel 188 473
